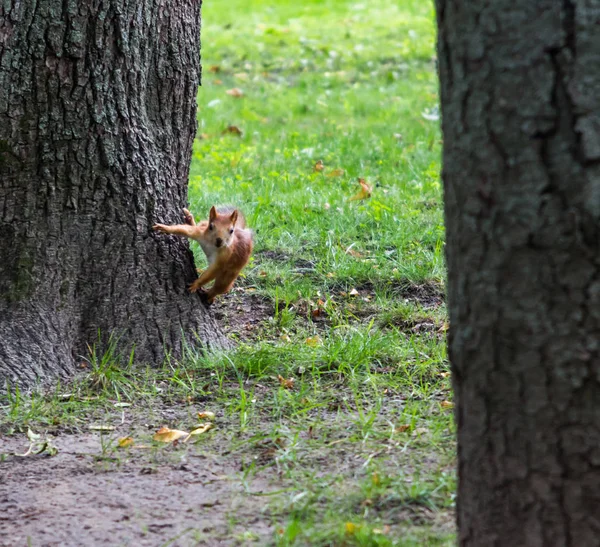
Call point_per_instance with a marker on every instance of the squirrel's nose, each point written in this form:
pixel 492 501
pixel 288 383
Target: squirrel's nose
pixel 219 242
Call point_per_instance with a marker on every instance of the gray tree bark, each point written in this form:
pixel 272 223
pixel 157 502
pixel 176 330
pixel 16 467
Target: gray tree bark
pixel 97 120
pixel 520 94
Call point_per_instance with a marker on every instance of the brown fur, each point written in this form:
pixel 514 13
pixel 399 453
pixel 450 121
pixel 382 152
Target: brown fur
pixel 225 241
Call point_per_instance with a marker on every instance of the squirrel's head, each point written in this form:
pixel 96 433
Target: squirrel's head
pixel 221 227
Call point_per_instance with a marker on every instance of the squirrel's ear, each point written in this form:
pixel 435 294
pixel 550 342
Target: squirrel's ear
pixel 213 214
pixel 234 216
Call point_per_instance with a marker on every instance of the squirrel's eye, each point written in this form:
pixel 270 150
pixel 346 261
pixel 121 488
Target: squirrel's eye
pixel 210 226
pixel 231 230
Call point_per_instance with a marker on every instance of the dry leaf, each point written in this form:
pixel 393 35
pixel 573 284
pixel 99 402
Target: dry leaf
pixel 420 431
pixel 234 130
pixel 217 82
pixel 375 478
pixel 319 166
pixel 336 173
pixel 286 383
pixel 365 191
pixel 355 254
pixel 402 428
pixel 351 528
pixel 447 404
pixel 353 292
pixel 207 415
pixel 203 136
pixel 214 69
pixel 203 428
pixel 235 92
pixel 285 338
pixel 124 442
pixel 166 435
pixel 314 341
pixel 445 374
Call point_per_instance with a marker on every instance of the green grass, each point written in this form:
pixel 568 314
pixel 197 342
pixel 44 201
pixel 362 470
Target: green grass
pixel 362 448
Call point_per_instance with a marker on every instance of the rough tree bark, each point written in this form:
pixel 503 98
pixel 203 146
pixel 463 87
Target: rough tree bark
pixel 97 119
pixel 520 94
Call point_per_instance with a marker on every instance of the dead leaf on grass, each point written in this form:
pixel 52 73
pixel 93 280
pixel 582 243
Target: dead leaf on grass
pixel 447 404
pixel 207 415
pixel 319 166
pixel 445 374
pixel 351 528
pixel 203 428
pixel 125 442
pixel 336 173
pixel 287 383
pixel 235 92
pixel 214 69
pixel 365 191
pixel 314 341
pixel 166 435
pixel 353 292
pixel 403 428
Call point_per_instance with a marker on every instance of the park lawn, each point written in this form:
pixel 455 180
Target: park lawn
pixel 334 417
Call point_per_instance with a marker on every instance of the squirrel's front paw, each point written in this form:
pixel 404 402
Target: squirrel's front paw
pixel 159 228
pixel 188 217
pixel 195 287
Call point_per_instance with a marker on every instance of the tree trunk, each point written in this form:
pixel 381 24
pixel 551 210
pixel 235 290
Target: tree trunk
pixel 520 94
pixel 97 119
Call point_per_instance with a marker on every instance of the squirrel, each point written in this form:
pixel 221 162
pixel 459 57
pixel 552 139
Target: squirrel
pixel 226 242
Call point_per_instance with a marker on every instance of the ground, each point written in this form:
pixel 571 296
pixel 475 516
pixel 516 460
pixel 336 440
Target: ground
pixel 333 416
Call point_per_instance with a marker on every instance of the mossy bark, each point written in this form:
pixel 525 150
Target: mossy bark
pixel 97 120
pixel 520 94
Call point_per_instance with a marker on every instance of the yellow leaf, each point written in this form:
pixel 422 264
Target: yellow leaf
pixel 198 431
pixel 124 442
pixel 319 166
pixel 207 415
pixel 365 191
pixel 375 478
pixel 314 341
pixel 351 528
pixel 166 435
pixel 336 173
pixel 445 374
pixel 447 404
pixel 287 383
pixel 285 338
pixel 353 292
pixel 235 92
pixel 214 69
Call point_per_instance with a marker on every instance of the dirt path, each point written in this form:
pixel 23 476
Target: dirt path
pixel 178 498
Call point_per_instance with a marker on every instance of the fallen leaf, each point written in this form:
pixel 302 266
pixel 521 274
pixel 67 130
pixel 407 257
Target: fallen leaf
pixel 241 76
pixel 203 428
pixel 447 404
pixel 203 136
pixel 216 81
pixel 214 69
pixel 235 92
pixel 122 405
pixel 166 435
pixel 354 253
pixel 319 166
pixel 234 130
pixel 124 442
pixel 287 383
pixel 207 415
pixel 336 173
pixel 420 431
pixel 402 428
pixel 353 292
pixel 285 338
pixel 314 341
pixel 445 374
pixel 375 478
pixel 351 528
pixel 365 191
